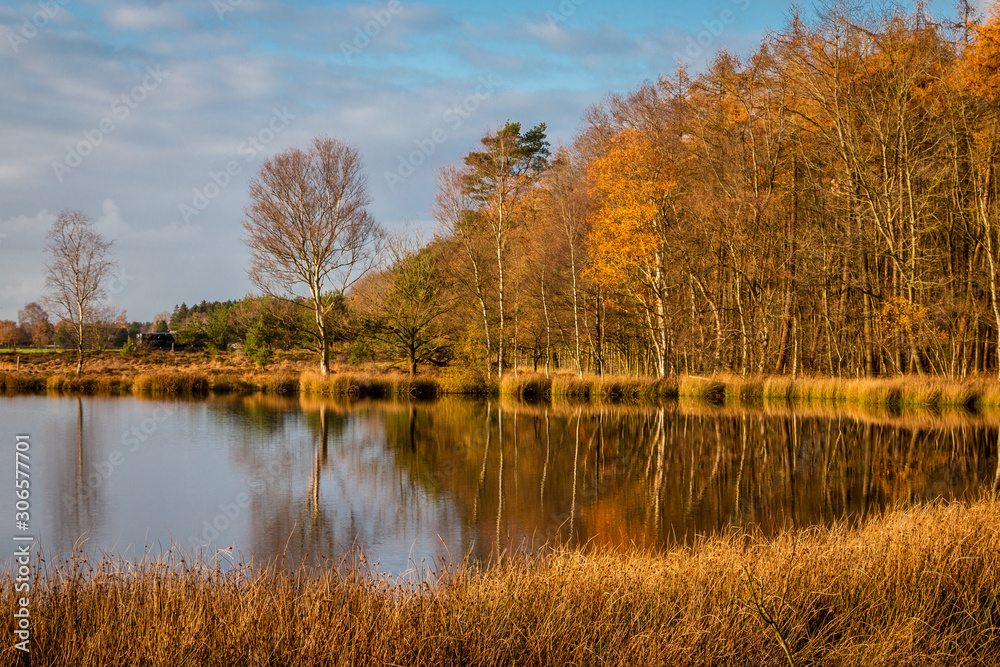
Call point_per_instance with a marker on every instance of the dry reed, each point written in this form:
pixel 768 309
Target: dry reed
pixel 914 587
pixel 365 385
pixel 171 382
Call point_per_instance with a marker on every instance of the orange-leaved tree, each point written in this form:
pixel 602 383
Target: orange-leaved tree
pixel 630 241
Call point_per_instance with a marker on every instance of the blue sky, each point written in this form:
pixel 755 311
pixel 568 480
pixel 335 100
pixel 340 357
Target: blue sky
pixel 151 117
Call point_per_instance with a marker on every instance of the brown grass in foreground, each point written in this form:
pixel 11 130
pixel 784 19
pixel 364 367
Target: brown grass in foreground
pixel 915 587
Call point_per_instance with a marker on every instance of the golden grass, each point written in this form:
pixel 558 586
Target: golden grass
pixel 571 388
pixel 191 374
pixel 282 384
pixel 913 587
pixel 20 383
pixel 87 384
pixel 895 393
pixel 616 388
pixel 708 389
pixel 366 385
pixel 467 382
pixel 171 382
pixel 526 386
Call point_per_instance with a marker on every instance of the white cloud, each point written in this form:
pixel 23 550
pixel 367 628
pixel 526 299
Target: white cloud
pixel 144 19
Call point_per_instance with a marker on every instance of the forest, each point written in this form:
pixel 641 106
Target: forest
pixel 823 205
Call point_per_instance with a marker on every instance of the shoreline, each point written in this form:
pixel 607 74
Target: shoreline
pixel 158 378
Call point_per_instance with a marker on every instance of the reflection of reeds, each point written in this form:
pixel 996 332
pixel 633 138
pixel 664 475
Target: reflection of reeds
pixel 916 586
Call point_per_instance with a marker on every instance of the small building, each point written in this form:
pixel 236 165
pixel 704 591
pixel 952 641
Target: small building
pixel 156 341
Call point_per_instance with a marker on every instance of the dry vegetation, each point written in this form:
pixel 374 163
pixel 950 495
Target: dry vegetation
pixel 292 373
pixel 915 587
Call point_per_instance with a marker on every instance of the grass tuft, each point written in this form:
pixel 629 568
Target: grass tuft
pixel 704 389
pixel 21 383
pixel 167 382
pixel 571 388
pixel 526 386
pixel 366 385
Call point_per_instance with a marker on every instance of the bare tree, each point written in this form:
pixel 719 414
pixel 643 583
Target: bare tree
pixel 77 267
pixel 309 230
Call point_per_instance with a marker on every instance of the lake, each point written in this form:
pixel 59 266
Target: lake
pixel 408 481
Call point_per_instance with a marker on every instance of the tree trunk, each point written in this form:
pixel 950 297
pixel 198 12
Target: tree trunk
pixel 79 340
pixel 548 329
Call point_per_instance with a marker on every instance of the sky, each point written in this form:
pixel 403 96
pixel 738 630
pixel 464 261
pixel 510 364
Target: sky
pixel 151 117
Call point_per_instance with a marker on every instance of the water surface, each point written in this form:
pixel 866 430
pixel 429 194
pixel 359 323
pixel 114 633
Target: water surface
pixel 409 481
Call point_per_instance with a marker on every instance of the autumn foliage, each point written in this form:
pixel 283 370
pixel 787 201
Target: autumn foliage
pixel 826 204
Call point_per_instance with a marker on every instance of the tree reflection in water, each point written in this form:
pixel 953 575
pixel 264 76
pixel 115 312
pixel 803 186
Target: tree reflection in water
pixel 608 475
pixel 464 477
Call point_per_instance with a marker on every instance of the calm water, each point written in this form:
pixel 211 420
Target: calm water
pixel 412 481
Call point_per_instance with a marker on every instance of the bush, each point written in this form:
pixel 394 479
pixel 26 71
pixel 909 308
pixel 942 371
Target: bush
pixel 258 346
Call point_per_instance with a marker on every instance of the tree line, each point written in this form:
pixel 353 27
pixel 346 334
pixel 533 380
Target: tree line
pixel 825 204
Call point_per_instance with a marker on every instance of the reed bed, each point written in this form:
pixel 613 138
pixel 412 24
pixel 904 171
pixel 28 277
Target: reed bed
pixel 894 393
pixel 564 387
pixel 708 389
pixel 67 383
pixel 225 383
pixel 891 393
pixel 21 383
pixel 615 389
pixel 281 384
pixel 571 388
pixel 526 386
pixel 913 587
pixel 466 382
pixel 171 382
pixel 363 385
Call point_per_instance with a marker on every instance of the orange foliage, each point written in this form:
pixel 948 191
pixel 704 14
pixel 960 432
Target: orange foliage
pixel 633 181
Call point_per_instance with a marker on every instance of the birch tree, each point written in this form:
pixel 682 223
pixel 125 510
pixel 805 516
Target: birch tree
pixel 309 231
pixel 78 265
